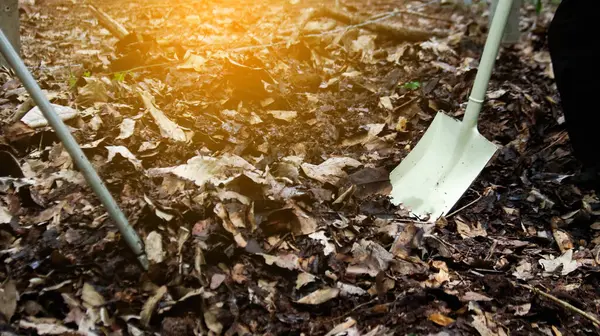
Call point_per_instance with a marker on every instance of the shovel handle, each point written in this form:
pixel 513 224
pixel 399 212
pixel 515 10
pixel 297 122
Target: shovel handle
pixel 486 64
pixel 63 133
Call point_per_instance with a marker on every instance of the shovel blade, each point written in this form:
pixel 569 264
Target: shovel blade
pixel 441 167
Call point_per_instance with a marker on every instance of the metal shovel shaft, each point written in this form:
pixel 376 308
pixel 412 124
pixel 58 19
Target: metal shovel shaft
pixel 63 133
pixel 486 64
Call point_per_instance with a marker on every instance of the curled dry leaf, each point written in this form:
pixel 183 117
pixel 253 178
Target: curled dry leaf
pixel 46 326
pixel 90 297
pixel 320 296
pixel 150 306
pixel 469 230
pixel 331 170
pixel 342 327
pixel 8 300
pixel 35 118
pixel 303 279
pixel 168 128
pixel 124 152
pixel 350 290
pixel 441 319
pixel 126 129
pixel 565 261
pixel 372 131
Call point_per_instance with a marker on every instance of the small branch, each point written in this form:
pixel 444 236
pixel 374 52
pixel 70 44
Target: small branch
pixel 466 206
pixel 399 33
pixel 109 23
pixel 565 304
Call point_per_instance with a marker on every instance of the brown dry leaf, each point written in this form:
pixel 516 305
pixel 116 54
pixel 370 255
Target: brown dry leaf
pixel 386 103
pixel 168 128
pixel 441 319
pixel 372 131
pixel 369 258
pixel 523 271
pixel 331 170
pixel 469 230
pixel 320 296
pixel 284 115
pixel 403 242
pixel 437 280
pixel 150 306
pixel 212 323
pixel 472 296
pixel 563 240
pixel 202 169
pixel 228 225
pixel 8 300
pixel 289 261
pixel 126 129
pixel 350 290
pixel 401 124
pixel 342 328
pixel 90 297
pixel 5 216
pixel 192 62
pixel 303 279
pixel 307 224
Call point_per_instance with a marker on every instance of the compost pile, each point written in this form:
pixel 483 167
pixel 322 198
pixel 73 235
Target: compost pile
pixel 250 145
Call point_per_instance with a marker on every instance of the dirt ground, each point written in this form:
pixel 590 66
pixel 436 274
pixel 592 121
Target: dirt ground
pixel 250 144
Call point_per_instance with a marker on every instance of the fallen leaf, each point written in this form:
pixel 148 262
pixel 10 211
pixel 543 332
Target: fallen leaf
pixel 523 271
pixel 217 280
pixel 150 306
pixel 386 103
pixel 8 300
pixel 126 128
pixel 212 323
pixel 284 115
pixel 147 145
pixel 372 131
pixel 238 274
pixel 35 118
pixel 159 213
pixel 468 230
pixel 307 224
pixel 472 296
pixel 441 319
pixel 342 328
pixel 168 128
pixel 369 258
pixel 289 261
pixel 90 297
pixel 47 326
pixel 124 152
pixel 5 216
pixel 331 170
pixel 303 279
pixel 320 236
pixel 193 62
pixel 320 296
pixel 350 290
pixel 154 247
pixel 523 309
pixel 563 240
pixel 565 261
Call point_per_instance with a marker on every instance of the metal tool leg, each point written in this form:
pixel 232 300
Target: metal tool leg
pixel 129 234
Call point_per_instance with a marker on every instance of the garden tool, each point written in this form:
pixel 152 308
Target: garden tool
pixel 62 132
pixel 450 154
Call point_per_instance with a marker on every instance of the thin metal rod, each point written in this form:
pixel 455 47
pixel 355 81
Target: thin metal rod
pixel 63 133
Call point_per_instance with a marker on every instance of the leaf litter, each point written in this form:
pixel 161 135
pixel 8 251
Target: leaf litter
pixel 252 152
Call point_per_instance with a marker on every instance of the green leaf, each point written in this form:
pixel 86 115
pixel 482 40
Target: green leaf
pixel 120 76
pixel 411 85
pixel 87 74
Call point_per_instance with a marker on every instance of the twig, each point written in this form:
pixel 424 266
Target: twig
pixel 466 206
pixel 355 309
pixel 425 16
pixel 109 23
pixel 278 243
pixel 565 305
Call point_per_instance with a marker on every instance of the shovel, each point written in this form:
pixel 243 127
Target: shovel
pixel 451 153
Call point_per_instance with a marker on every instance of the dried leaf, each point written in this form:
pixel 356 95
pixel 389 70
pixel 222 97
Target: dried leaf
pixel 320 296
pixel 127 127
pixel 320 236
pixel 124 152
pixel 35 118
pixel 289 261
pixel 372 131
pixel 150 306
pixel 216 280
pixel 563 240
pixel 523 271
pixel 307 224
pixel 46 326
pixel 284 115
pixel 8 300
pixel 350 290
pixel 154 247
pixel 472 296
pixel 90 297
pixel 441 319
pixel 331 170
pixel 565 261
pixel 212 323
pixel 342 328
pixel 386 103
pixel 193 62
pixel 237 274
pixel 303 279
pixel 168 128
pixel 5 216
pixel 468 230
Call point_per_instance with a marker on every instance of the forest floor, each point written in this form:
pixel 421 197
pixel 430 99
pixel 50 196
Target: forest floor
pixel 250 145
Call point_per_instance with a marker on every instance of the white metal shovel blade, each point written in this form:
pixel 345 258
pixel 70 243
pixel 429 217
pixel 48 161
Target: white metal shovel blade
pixel 436 173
